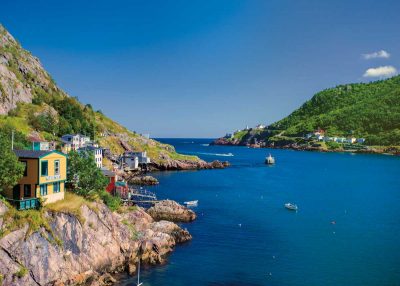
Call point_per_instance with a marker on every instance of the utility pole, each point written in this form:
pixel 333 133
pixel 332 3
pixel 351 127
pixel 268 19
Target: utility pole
pixel 12 140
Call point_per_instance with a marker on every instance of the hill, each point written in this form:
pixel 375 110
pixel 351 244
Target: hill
pixel 33 105
pixel 363 110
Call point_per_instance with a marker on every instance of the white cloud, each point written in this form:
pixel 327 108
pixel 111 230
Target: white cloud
pixel 384 71
pixel 379 54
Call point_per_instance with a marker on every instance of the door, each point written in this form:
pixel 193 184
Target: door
pixel 16 192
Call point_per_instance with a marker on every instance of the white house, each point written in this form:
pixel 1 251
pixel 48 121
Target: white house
pixel 98 154
pixel 76 140
pixel 142 156
pixel 351 140
pixel 260 126
pixel 131 161
pixel 320 137
pixel 83 140
pixel 134 159
pixel 361 140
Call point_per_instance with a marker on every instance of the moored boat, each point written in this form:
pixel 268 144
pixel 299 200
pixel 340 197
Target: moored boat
pixel 292 207
pixel 270 160
pixel 191 203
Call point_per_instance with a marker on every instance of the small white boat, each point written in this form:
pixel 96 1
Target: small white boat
pixel 270 160
pixel 138 276
pixel 290 206
pixel 191 203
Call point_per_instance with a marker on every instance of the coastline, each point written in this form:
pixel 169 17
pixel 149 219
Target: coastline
pixel 89 245
pixel 379 150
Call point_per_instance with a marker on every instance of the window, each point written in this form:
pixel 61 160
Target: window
pixel 56 187
pixel 27 191
pixel 16 192
pixel 44 168
pixel 43 190
pixel 25 168
pixel 57 167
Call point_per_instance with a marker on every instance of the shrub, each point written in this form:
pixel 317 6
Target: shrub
pixel 113 203
pixel 21 272
pixel 333 145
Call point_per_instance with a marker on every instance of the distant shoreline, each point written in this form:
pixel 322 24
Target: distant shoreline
pixel 380 150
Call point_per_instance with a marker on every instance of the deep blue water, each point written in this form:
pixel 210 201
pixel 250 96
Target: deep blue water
pixel 244 235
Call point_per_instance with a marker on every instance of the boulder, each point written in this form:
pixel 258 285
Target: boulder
pixel 143 180
pixel 171 211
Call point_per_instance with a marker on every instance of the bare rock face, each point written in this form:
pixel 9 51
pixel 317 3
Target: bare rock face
pixel 90 247
pixel 20 73
pixel 180 235
pixel 143 180
pixel 171 211
pixel 170 164
pixel 224 141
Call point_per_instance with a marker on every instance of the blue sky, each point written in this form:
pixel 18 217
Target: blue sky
pixel 203 68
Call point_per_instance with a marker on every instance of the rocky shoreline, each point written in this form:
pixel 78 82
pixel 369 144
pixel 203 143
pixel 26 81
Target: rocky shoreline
pixel 181 165
pixel 369 150
pixel 87 249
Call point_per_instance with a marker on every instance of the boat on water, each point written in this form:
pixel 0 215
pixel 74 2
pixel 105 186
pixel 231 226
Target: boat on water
pixel 270 160
pixel 191 203
pixel 138 276
pixel 292 207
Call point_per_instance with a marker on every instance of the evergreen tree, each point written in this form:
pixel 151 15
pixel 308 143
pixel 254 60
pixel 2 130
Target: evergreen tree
pixel 11 170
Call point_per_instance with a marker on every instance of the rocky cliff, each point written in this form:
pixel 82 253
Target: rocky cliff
pixel 20 72
pixel 35 107
pixel 84 248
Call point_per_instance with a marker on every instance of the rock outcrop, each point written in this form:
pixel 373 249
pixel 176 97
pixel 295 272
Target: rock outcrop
pixel 172 165
pixel 90 247
pixel 20 72
pixel 171 211
pixel 142 180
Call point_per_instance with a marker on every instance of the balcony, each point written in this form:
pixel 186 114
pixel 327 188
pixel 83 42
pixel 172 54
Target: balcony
pixel 25 204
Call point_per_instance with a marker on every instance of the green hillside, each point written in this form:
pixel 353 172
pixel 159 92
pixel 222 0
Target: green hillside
pixel 33 105
pixel 363 110
pixel 369 110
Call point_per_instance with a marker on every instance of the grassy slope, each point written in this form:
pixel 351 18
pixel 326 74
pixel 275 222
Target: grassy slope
pixel 370 110
pixel 53 113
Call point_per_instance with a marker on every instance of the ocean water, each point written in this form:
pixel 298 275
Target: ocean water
pixel 244 235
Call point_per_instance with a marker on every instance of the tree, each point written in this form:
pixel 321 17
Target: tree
pixel 11 170
pixel 87 180
pixel 83 175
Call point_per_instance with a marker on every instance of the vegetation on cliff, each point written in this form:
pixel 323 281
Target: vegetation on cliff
pixel 33 105
pixel 11 170
pixel 367 110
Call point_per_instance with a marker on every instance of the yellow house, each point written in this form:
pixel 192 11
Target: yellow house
pixel 44 177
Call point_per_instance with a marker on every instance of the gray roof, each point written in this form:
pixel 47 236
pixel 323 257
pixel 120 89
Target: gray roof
pixel 66 141
pixel 107 173
pixel 30 153
pixel 88 148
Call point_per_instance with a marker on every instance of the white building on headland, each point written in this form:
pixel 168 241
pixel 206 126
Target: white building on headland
pixel 360 140
pixel 260 126
pixel 97 152
pixel 351 140
pixel 134 159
